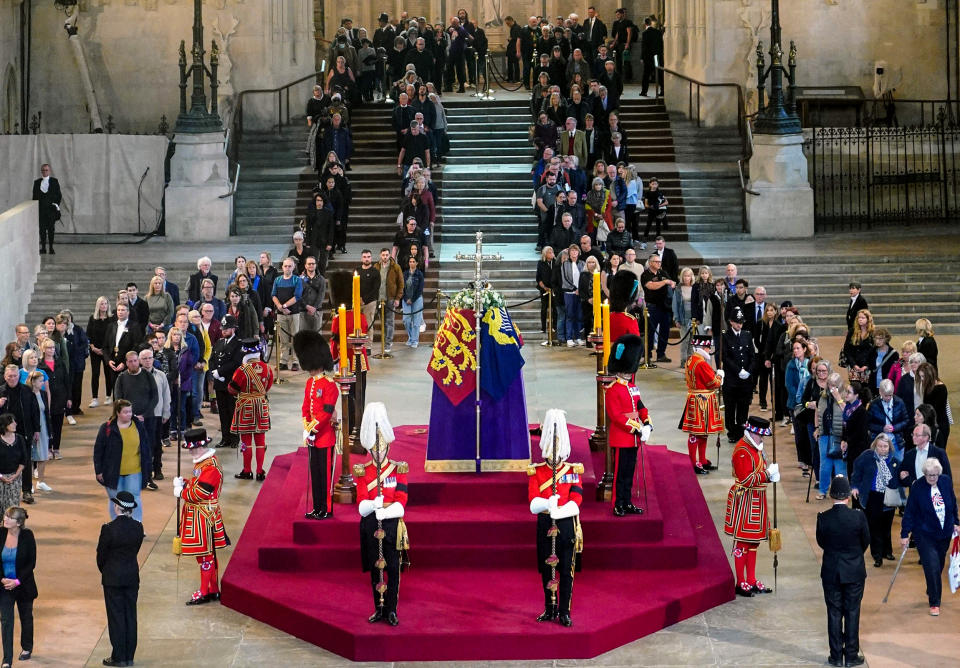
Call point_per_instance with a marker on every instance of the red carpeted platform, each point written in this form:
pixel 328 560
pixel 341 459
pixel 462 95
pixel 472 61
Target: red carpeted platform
pixel 473 590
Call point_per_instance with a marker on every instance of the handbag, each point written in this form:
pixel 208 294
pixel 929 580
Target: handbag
pixel 833 449
pixel 953 570
pixel 892 498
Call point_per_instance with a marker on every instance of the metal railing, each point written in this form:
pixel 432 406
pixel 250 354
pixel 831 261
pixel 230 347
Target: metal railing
pixel 694 91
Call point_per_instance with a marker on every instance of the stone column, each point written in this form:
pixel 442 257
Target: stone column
pixel 778 170
pixel 199 175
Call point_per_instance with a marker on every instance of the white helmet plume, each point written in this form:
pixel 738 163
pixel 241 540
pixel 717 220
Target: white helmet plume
pixel 375 417
pixel 555 422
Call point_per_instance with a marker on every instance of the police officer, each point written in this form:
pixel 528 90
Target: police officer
pixel 738 356
pixel 226 358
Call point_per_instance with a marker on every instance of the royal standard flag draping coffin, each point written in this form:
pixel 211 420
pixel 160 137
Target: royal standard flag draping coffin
pixel 504 433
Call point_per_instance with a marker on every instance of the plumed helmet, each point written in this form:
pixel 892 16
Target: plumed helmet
pixel 625 354
pixel 375 418
pixel 555 425
pixel 624 287
pixel 312 351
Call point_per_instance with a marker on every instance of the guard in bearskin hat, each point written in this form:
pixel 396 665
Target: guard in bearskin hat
pixel 701 411
pixel 319 410
pixel 624 289
pixel 555 490
pixel 746 514
pixel 201 523
pixel 251 415
pixel 628 422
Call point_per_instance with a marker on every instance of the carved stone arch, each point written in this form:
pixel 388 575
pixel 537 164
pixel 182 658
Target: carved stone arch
pixel 9 101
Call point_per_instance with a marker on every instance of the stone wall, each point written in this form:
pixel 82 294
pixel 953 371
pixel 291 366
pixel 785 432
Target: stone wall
pixel 9 65
pixel 131 47
pixel 19 262
pixel 839 43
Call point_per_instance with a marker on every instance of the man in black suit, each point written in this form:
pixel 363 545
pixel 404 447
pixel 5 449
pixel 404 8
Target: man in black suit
pixel 668 259
pixel 117 550
pixel 46 190
pixel 911 469
pixel 738 357
pixel 169 287
pixel 844 536
pixel 226 358
pixel 594 33
pixel 122 336
pixel 743 301
pixel 651 51
pixel 17 399
pixel 857 303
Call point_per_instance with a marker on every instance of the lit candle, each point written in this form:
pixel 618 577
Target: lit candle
pixel 596 302
pixel 342 315
pixel 356 304
pixel 606 333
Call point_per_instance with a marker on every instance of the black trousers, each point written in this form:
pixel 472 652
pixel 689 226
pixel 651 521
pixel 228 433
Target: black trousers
pixel 513 66
pixel 150 423
pixel 843 618
pixel 625 464
pixel 47 229
pixel 121 603
pixel 96 362
pixel 391 574
pixel 932 553
pixel 779 391
pixel 226 403
pixel 320 461
pixel 25 608
pixel 762 376
pixel 660 325
pixel 651 73
pixel 654 219
pixel 566 554
pixel 880 522
pixel 56 431
pixel 545 304
pixel 736 409
pixel 76 392
pixel 156 454
pixel 458 63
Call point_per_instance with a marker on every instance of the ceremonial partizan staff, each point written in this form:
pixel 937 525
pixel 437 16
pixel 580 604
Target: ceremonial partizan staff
pixel 201 524
pixel 628 421
pixel 251 415
pixel 555 490
pixel 382 493
pixel 701 413
pixel 746 514
pixel 320 397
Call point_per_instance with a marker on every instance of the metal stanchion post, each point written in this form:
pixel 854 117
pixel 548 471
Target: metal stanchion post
pixel 647 364
pixel 383 354
pixel 550 342
pixel 346 489
pixel 276 353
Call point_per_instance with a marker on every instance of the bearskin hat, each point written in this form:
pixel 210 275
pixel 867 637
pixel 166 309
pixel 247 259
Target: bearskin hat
pixel 624 286
pixel 625 354
pixel 312 351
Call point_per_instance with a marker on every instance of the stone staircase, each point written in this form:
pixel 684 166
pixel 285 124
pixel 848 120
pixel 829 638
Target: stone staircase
pixel 899 289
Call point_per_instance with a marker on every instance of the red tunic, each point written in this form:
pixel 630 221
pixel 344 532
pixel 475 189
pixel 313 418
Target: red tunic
pixel 623 323
pixel 393 484
pixel 701 412
pixel 201 524
pixel 569 482
pixel 626 413
pixel 319 411
pixel 250 383
pixel 746 515
pixel 335 340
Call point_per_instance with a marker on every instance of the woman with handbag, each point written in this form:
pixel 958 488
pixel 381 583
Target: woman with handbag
pixel 796 377
pixel 859 350
pixel 874 487
pixel 829 433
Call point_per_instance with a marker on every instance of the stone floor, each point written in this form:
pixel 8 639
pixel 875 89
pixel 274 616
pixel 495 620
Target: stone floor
pixel 786 628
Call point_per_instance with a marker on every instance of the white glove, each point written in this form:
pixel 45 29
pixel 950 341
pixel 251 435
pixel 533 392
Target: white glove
pixel 392 511
pixel 306 437
pixel 553 501
pixel 378 502
pixel 569 509
pixel 744 374
pixel 721 373
pixel 380 512
pixel 645 433
pixel 773 473
pixel 216 375
pixel 366 507
pixel 177 487
pixel 539 504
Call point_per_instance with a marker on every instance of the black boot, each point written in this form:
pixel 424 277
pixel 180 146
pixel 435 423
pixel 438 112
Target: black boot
pixel 548 615
pixel 565 620
pixel 376 616
pixel 244 475
pixel 392 619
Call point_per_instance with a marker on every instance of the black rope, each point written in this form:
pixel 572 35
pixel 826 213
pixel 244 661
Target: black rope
pixel 529 301
pixel 498 76
pixel 682 338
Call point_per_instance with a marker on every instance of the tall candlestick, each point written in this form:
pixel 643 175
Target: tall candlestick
pixel 606 333
pixel 596 302
pixel 356 304
pixel 342 315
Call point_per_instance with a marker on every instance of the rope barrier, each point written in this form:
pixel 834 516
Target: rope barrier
pixel 498 76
